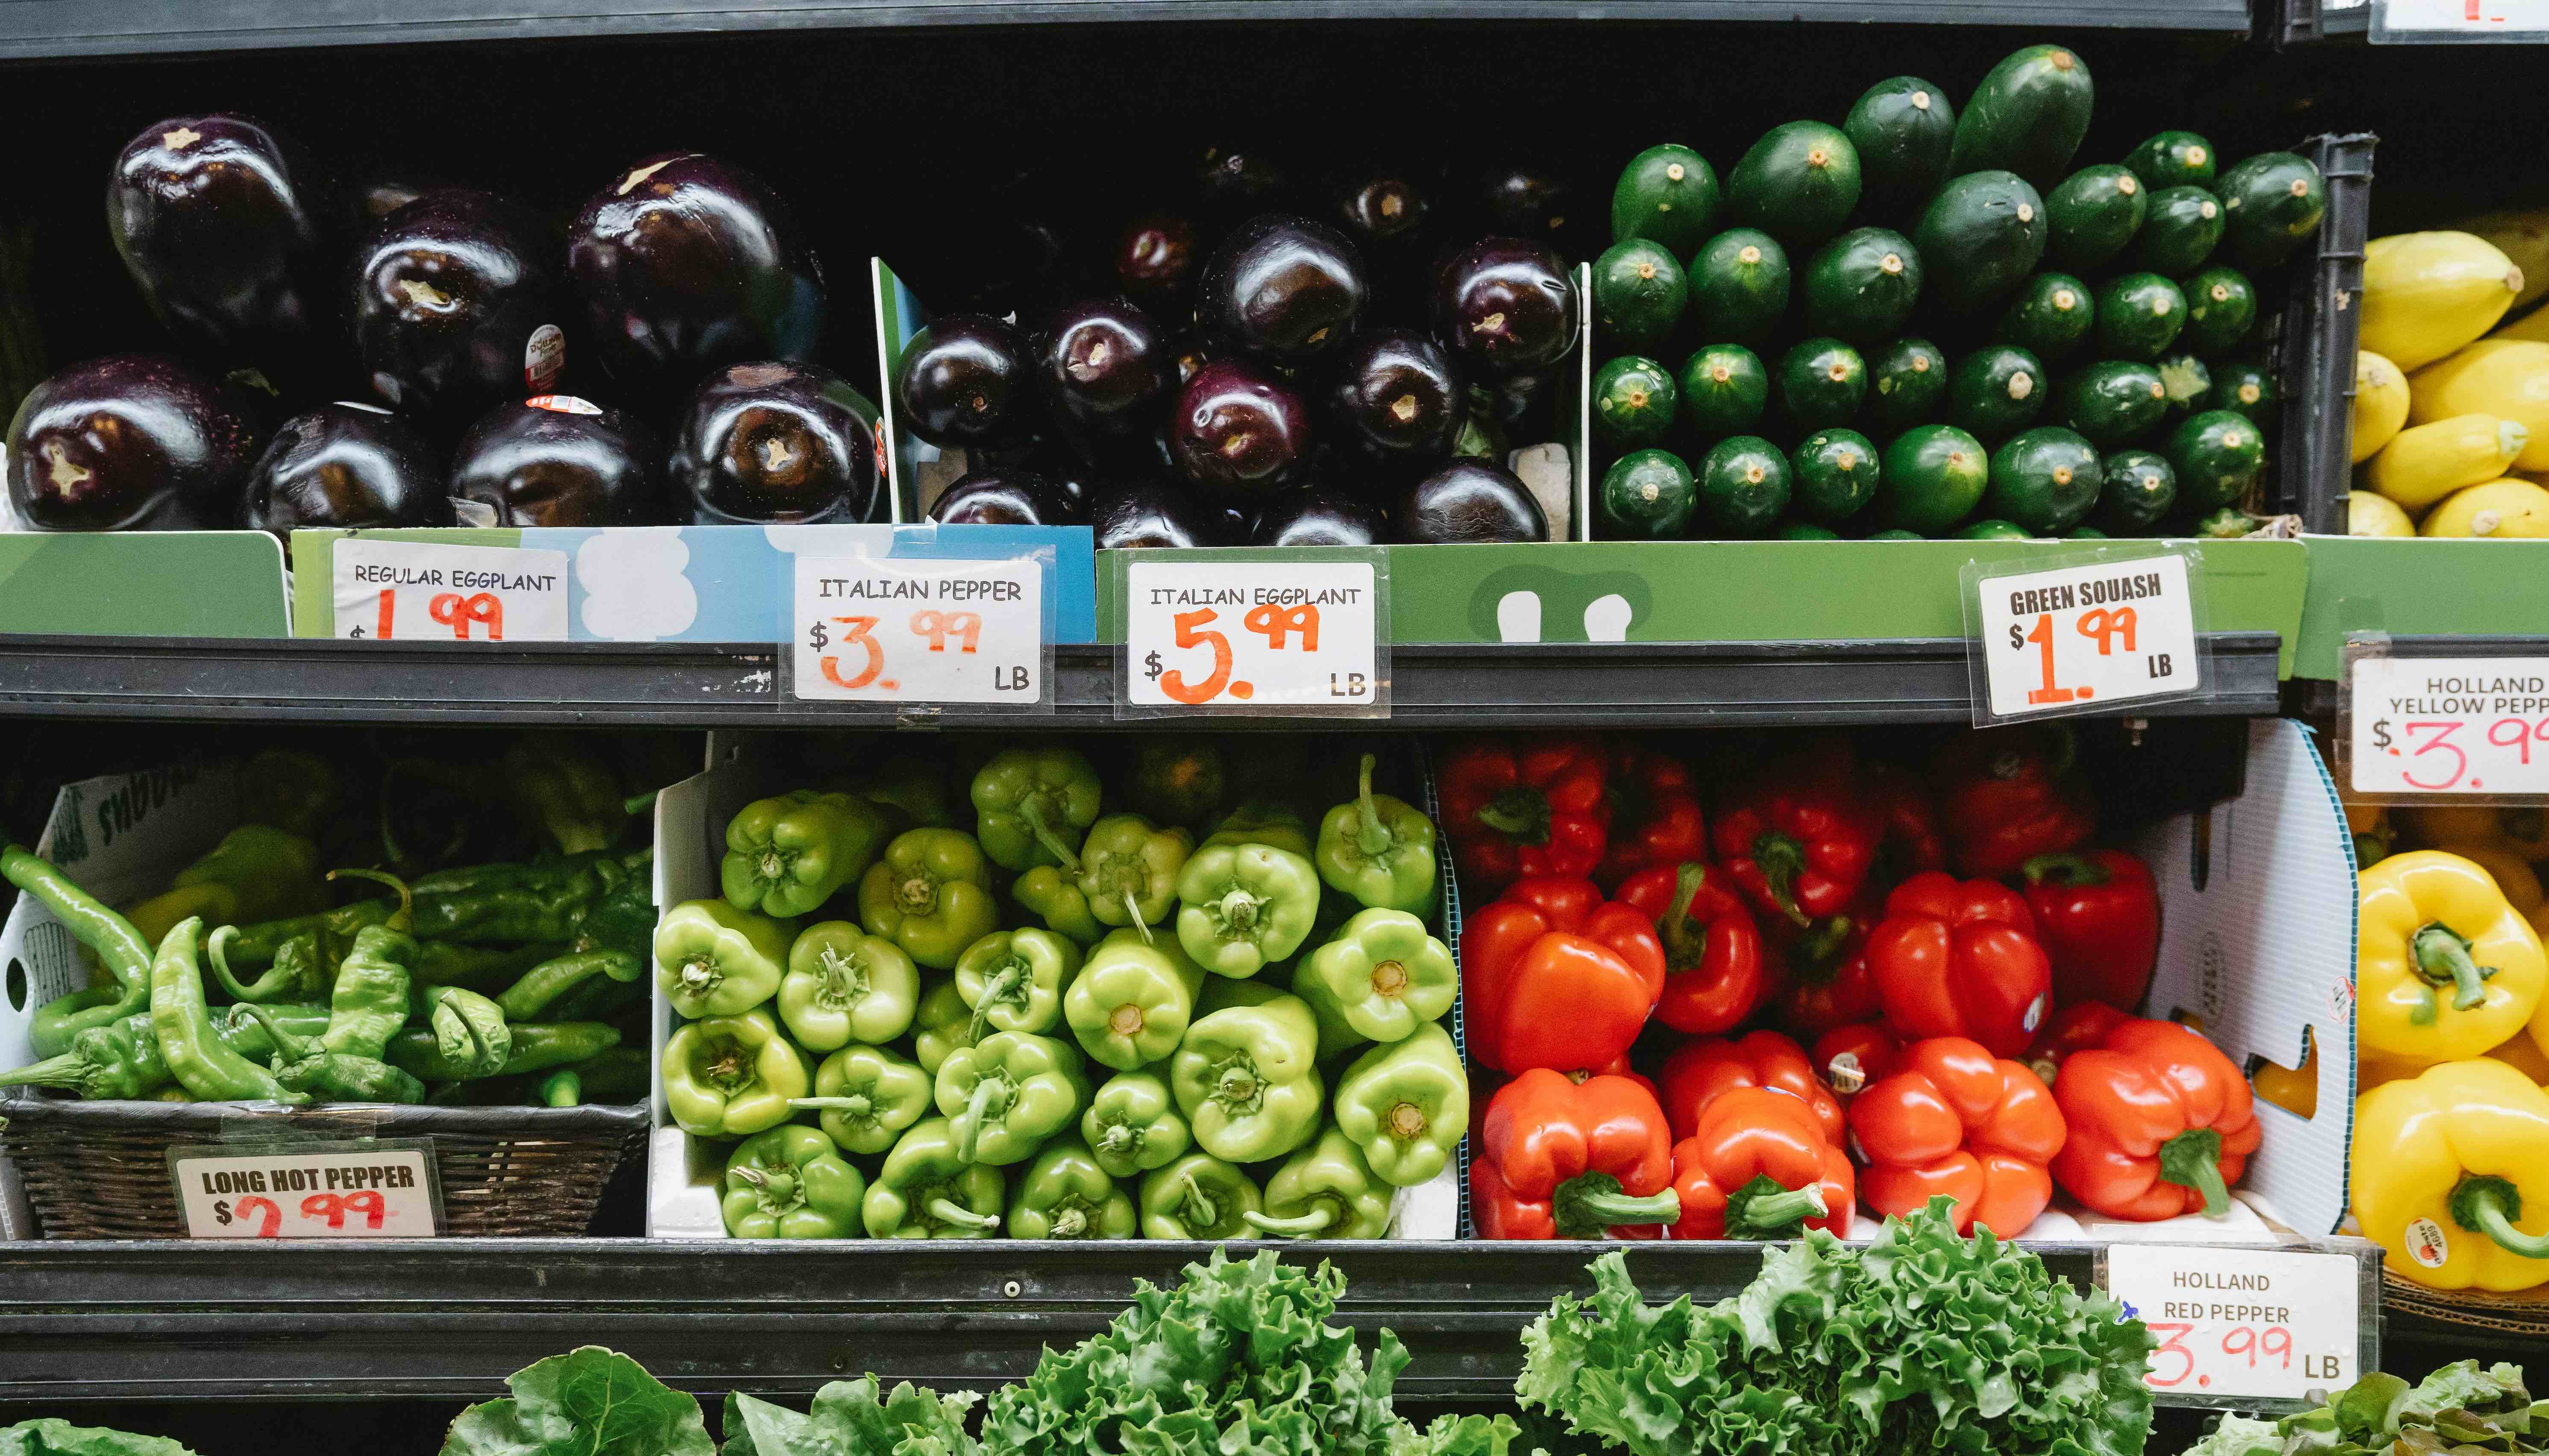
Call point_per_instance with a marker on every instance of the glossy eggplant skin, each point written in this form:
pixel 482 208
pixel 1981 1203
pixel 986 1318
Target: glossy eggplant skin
pixel 349 466
pixel 1507 305
pixel 130 443
pixel 1469 502
pixel 538 466
pixel 685 264
pixel 964 381
pixel 1156 259
pixel 446 294
pixel 226 227
pixel 1239 429
pixel 1002 496
pixel 1383 210
pixel 776 442
pixel 1103 366
pixel 1321 517
pixel 1283 288
pixel 1398 393
pixel 1158 514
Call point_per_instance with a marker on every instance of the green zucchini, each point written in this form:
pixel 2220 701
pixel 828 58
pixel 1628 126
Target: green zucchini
pixel 1932 477
pixel 2140 489
pixel 2229 523
pixel 2026 117
pixel 1632 401
pixel 2274 200
pixel 2113 401
pixel 1798 183
pixel 1836 472
pixel 1668 194
pixel 2045 480
pixel 1744 487
pixel 2173 159
pixel 2139 316
pixel 1639 291
pixel 2183 227
pixel 1724 391
pixel 1995 529
pixel 2052 315
pixel 1995 391
pixel 2216 455
pixel 1820 382
pixel 1861 285
pixel 1980 238
pixel 2246 389
pixel 1903 130
pixel 1906 382
pixel 2084 534
pixel 1739 286
pixel 1801 530
pixel 2186 379
pixel 1897 533
pixel 1649 496
pixel 2221 309
pixel 2094 215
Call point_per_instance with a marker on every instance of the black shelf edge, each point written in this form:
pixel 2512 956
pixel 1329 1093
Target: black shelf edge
pixel 693 685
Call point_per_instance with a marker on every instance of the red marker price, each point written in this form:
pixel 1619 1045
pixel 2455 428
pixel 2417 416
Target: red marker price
pixel 1272 637
pixel 413 591
pixel 2448 726
pixel 895 631
pixel 2073 638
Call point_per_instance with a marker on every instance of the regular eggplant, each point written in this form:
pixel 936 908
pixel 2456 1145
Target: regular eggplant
pixel 1155 263
pixel 1003 496
pixel 1188 353
pixel 1238 181
pixel 1320 516
pixel 225 224
pixel 452 306
pixel 1396 393
pixel 130 443
pixel 964 381
pixel 1469 502
pixel 564 462
pixel 348 465
pixel 1283 288
pixel 1507 305
pixel 1526 200
pixel 775 441
pixel 1158 512
pixel 1383 210
pixel 685 264
pixel 1103 367
pixel 1239 429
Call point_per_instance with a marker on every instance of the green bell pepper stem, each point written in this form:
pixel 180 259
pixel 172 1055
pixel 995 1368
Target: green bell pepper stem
pixel 1371 835
pixel 1063 854
pixel 969 1123
pixel 845 986
pixel 867 1096
pixel 2442 956
pixel 714 960
pixel 1031 805
pixel 1008 1093
pixel 1198 1203
pixel 947 1211
pixel 197 1059
pixel 1301 1226
pixel 1128 868
pixel 855 1106
pixel 116 945
pixel 2192 1159
pixel 2488 1206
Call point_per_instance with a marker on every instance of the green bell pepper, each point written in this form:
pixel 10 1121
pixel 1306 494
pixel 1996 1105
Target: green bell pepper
pixel 1198 1197
pixel 1033 804
pixel 1013 980
pixel 1243 907
pixel 1133 1001
pixel 945 1025
pixel 1132 1124
pixel 1262 822
pixel 1337 1036
pixel 731 1075
pixel 930 894
pixel 1378 850
pixel 867 1096
pixel 786 856
pixel 1248 1080
pixel 1128 870
pixel 912 788
pixel 1384 973
pixel 714 960
pixel 1221 993
pixel 791 1182
pixel 1064 1194
pixel 1406 1104
pixel 1324 1191
pixel 1177 781
pixel 928 1190
pixel 1008 1092
pixel 1051 894
pixel 844 985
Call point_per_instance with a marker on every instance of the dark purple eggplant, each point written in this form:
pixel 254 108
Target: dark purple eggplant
pixel 1239 429
pixel 1469 502
pixel 349 466
pixel 1383 210
pixel 1283 288
pixel 1527 200
pixel 375 198
pixel 1002 496
pixel 1506 304
pixel 776 441
pixel 1236 181
pixel 130 443
pixel 685 264
pixel 453 306
pixel 1155 263
pixel 1190 352
pixel 1321 517
pixel 1102 367
pixel 565 463
pixel 1396 391
pixel 1158 514
pixel 224 225
pixel 964 381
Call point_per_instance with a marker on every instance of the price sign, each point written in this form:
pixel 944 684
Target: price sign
pixel 2419 726
pixel 895 631
pixel 1255 637
pixel 412 590
pixel 2459 19
pixel 2079 638
pixel 2256 1323
pixel 308 1190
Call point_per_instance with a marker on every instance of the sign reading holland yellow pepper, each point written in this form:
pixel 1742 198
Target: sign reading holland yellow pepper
pixel 2444 966
pixel 2451 1175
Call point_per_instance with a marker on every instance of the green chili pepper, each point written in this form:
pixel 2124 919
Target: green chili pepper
pixel 1132 1002
pixel 1244 907
pixel 119 1061
pixel 1049 892
pixel 867 1096
pixel 1383 973
pixel 244 1034
pixel 334 1076
pixel 369 1002
pixel 714 960
pixel 790 1183
pixel 289 789
pixel 1132 1124
pixel 1031 805
pixel 537 1046
pixel 912 788
pixel 944 1025
pixel 786 856
pixel 1013 980
pixel 492 967
pixel 928 1190
pixel 1198 1197
pixel 1324 1191
pixel 614 1076
pixel 1008 1093
pixel 561 789
pixel 1064 1194
pixel 197 1056
pixel 1262 822
pixel 118 946
pixel 512 904
pixel 931 894
pixel 545 982
pixel 1128 870
pixel 268 872
pixel 1177 781
pixel 1248 1079
pixel 1406 1104
pixel 1378 850
pixel 299 971
pixel 844 985
pixel 729 1075
pixel 468 1031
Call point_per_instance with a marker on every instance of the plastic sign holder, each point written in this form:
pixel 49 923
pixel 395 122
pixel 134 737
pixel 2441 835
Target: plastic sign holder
pixel 2429 21
pixel 2100 630
pixel 361 1189
pixel 911 635
pixel 1302 635
pixel 2466 724
pixel 2247 1327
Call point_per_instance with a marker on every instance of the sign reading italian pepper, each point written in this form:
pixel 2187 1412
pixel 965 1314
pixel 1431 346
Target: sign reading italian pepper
pixel 895 631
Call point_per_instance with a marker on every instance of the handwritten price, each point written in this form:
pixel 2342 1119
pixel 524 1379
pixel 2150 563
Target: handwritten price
pixel 1278 625
pixel 940 631
pixel 2273 1343
pixel 2105 627
pixel 2434 736
pixel 453 610
pixel 330 1207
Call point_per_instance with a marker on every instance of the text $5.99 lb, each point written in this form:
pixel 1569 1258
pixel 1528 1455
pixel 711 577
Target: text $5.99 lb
pixel 891 630
pixel 1273 636
pixel 2076 638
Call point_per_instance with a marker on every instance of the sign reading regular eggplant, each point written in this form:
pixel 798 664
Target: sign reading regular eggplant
pixel 1205 634
pixel 409 590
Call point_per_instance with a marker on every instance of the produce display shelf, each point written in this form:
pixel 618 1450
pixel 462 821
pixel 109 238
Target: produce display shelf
pixel 684 684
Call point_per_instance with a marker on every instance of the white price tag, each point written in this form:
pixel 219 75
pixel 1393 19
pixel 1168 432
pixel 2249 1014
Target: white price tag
pixel 412 591
pixel 305 1190
pixel 2262 1324
pixel 2080 638
pixel 881 630
pixel 2448 725
pixel 1253 636
pixel 2460 19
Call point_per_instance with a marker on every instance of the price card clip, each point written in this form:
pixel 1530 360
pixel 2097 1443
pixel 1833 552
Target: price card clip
pixel 2104 629
pixel 1302 635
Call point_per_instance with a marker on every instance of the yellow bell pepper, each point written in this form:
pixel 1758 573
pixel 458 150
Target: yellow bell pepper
pixel 2511 872
pixel 2524 830
pixel 2444 968
pixel 2451 1175
pixel 2295 1089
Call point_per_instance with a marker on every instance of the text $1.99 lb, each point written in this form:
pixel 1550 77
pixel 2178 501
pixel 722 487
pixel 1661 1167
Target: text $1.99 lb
pixel 2079 637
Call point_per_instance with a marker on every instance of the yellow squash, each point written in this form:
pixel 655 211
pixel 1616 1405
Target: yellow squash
pixel 2368 514
pixel 2423 465
pixel 2500 510
pixel 2522 235
pixel 2380 404
pixel 2451 1176
pixel 2532 325
pixel 2444 968
pixel 2503 377
pixel 2426 294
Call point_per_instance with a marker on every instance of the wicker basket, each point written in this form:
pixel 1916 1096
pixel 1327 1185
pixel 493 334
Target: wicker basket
pixel 100 1169
pixel 2522 1313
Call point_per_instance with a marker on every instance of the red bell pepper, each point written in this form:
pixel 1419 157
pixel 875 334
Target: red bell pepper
pixel 2097 915
pixel 1618 1066
pixel 1712 971
pixel 1828 983
pixel 1700 1071
pixel 1960 958
pixel 2075 1028
pixel 1912 842
pixel 2161 1122
pixel 1656 818
pixel 1555 978
pixel 1850 1058
pixel 1568 1160
pixel 1760 1166
pixel 1955 1119
pixel 1538 807
pixel 1799 840
pixel 2009 794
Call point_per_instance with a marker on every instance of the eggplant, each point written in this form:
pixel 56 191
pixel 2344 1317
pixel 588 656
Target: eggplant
pixel 964 382
pixel 1000 497
pixel 130 442
pixel 1506 304
pixel 1155 512
pixel 1237 181
pixel 1239 429
pixel 1283 288
pixel 1102 367
pixel 1320 516
pixel 775 441
pixel 375 198
pixel 1526 200
pixel 1155 263
pixel 562 463
pixel 452 303
pixel 224 225
pixel 685 264
pixel 1397 393
pixel 1469 502
pixel 1190 352
pixel 1383 210
pixel 346 465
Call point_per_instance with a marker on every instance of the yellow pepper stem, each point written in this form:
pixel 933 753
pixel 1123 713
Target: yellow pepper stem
pixel 2443 955
pixel 2490 1206
pixel 2192 1159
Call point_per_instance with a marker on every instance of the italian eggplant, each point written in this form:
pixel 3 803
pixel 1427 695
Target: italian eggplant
pixel 561 463
pixel 775 441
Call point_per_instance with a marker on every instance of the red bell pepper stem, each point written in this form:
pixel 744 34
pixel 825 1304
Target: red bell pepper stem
pixel 1520 814
pixel 2192 1159
pixel 2065 869
pixel 1682 948
pixel 1782 858
pixel 1595 1199
pixel 1762 1209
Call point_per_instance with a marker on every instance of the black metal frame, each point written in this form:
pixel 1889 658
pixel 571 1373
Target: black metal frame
pixel 2320 323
